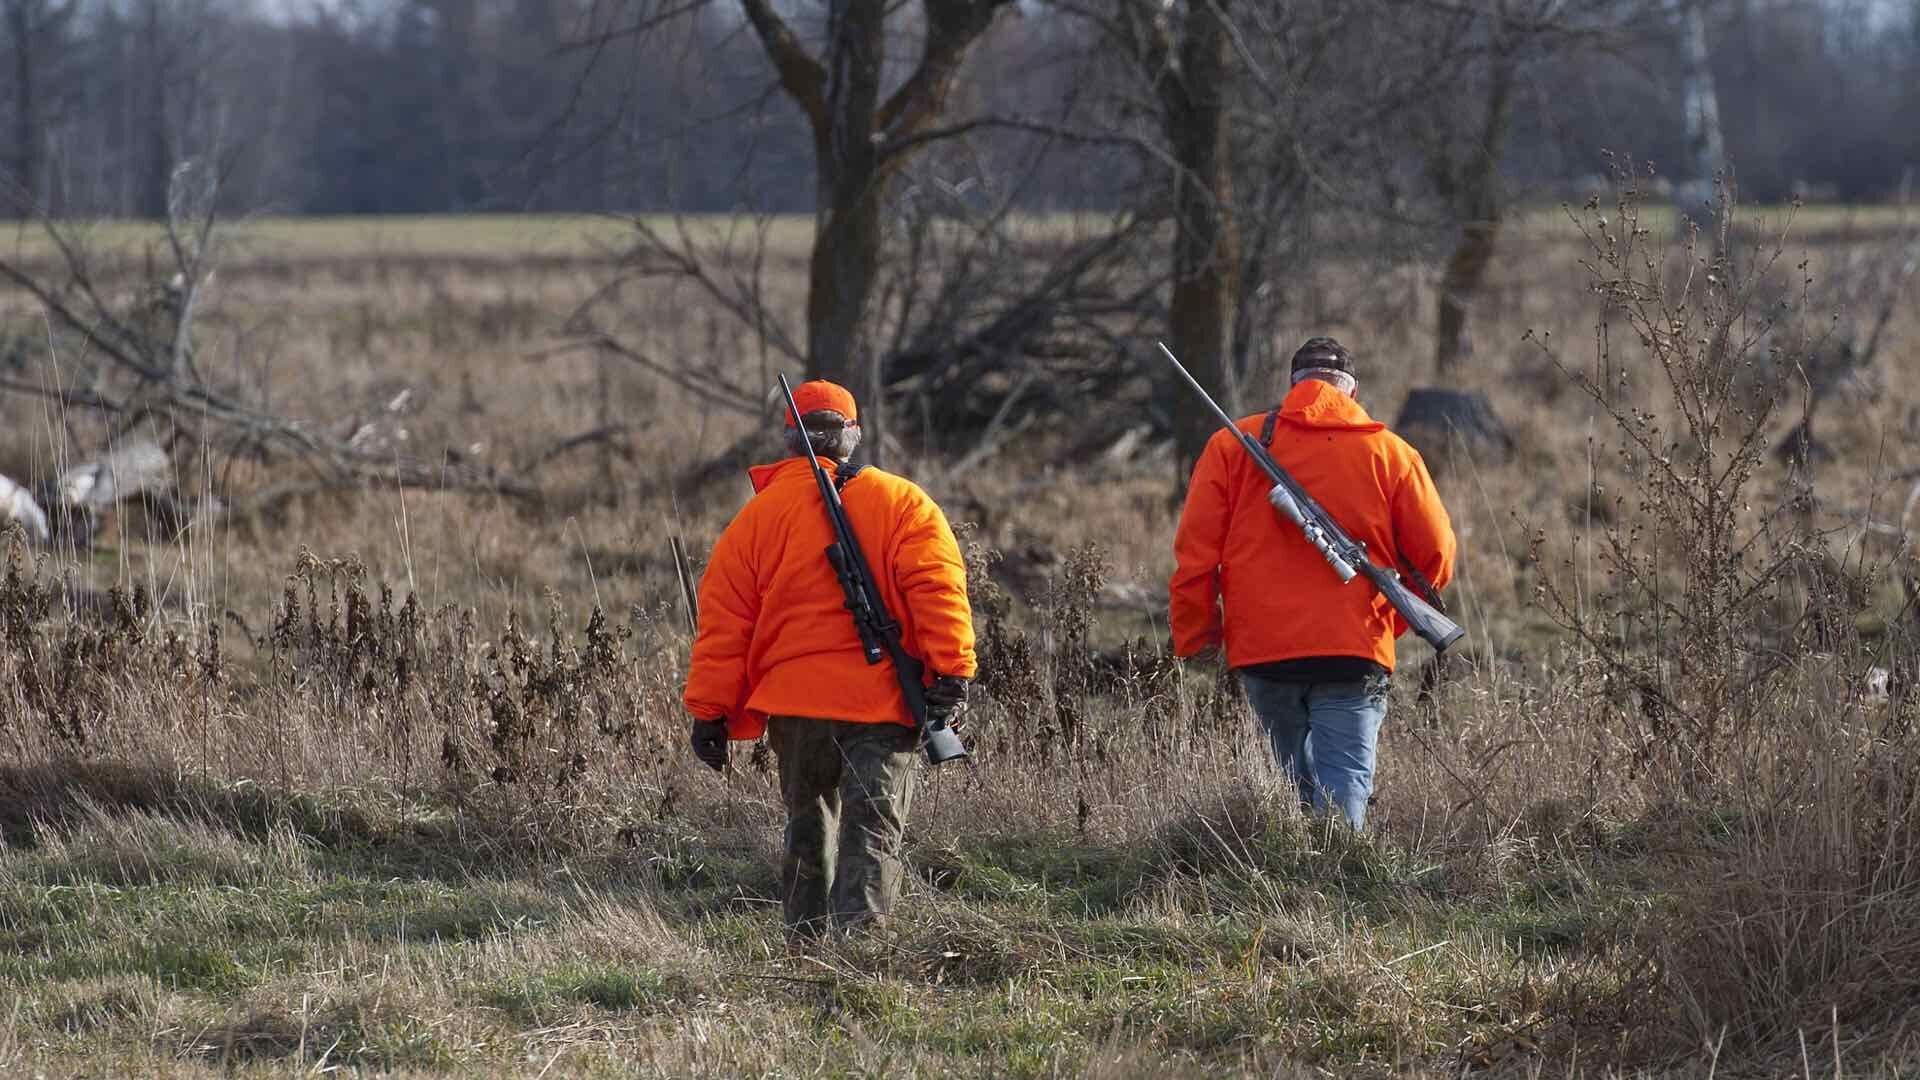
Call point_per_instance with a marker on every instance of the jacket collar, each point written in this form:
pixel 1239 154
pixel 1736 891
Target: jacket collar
pixel 762 475
pixel 1314 404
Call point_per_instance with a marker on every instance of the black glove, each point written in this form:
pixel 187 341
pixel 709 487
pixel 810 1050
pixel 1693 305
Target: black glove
pixel 1212 656
pixel 946 701
pixel 709 741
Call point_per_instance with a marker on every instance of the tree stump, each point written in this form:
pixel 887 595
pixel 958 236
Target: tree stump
pixel 1444 423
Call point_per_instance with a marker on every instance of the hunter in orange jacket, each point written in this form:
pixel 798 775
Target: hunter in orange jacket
pixel 778 652
pixel 1245 574
pixel 775 635
pixel 1314 653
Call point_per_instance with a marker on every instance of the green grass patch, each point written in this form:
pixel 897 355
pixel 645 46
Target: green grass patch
pixel 538 997
pixel 1233 939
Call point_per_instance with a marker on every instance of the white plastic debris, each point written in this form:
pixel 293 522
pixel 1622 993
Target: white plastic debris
pixel 1879 684
pixel 123 473
pixel 18 504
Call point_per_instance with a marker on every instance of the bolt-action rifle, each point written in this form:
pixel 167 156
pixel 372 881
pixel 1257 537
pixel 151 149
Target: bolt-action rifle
pixel 879 632
pixel 1346 555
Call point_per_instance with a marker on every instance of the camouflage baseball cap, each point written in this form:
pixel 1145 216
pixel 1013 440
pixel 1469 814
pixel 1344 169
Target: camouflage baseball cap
pixel 1324 353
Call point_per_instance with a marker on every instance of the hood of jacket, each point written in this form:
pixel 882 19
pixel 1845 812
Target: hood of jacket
pixel 1314 404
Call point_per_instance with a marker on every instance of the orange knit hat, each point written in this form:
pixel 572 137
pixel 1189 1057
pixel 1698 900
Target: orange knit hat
pixel 817 395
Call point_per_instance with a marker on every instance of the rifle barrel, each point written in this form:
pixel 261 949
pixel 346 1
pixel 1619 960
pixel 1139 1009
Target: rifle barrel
pixel 786 391
pixel 1225 420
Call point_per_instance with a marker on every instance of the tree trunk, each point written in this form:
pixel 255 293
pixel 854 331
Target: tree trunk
pixel 1703 107
pixel 1206 241
pixel 1465 272
pixel 847 231
pixel 859 143
pixel 156 175
pixel 26 136
pixel 1479 194
pixel 844 266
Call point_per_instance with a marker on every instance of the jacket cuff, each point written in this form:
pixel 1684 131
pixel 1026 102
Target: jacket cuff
pixel 1198 643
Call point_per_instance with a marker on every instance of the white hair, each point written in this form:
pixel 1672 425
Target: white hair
pixel 837 443
pixel 1340 380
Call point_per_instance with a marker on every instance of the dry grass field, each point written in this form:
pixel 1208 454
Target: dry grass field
pixel 394 781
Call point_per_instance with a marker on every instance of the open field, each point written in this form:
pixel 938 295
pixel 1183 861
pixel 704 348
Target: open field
pixel 509 236
pixel 267 817
pixel 504 235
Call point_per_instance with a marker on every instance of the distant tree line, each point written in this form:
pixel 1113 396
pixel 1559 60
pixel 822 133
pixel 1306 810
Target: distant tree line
pixel 426 106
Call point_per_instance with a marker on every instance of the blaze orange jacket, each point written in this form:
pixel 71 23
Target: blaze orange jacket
pixel 1245 573
pixel 776 638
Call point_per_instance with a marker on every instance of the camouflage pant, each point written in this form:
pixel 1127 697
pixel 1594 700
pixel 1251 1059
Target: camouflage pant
pixel 847 788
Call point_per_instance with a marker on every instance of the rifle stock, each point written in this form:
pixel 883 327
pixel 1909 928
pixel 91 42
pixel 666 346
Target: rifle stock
pixel 1422 618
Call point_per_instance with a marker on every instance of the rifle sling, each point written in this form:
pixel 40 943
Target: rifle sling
pixel 1266 429
pixel 889 630
pixel 844 475
pixel 906 666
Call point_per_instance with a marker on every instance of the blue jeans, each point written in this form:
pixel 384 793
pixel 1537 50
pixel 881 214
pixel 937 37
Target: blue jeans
pixel 1323 736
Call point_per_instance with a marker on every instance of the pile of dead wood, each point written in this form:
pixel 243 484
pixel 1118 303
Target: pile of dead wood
pixel 71 506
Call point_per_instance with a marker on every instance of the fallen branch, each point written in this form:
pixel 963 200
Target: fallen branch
pixel 567 445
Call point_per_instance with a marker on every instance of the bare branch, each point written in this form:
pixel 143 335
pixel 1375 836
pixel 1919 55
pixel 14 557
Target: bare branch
pixel 599 40
pixel 100 325
pixel 703 385
pixel 952 28
pixel 801 74
pixel 1021 124
pixel 77 399
pixel 567 445
pixel 740 297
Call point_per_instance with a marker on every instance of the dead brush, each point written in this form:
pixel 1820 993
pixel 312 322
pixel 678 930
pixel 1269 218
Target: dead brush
pixel 1698 591
pixel 347 685
pixel 1805 913
pixel 1067 622
pixel 1720 634
pixel 1069 700
pixel 74 677
pixel 24 603
pixel 1009 683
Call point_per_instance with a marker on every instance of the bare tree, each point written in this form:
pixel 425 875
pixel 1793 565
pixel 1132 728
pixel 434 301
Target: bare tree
pixel 1496 45
pixel 1267 121
pixel 1463 135
pixel 1466 172
pixel 862 139
pixel 925 281
pixel 1187 50
pixel 170 43
pixel 1704 138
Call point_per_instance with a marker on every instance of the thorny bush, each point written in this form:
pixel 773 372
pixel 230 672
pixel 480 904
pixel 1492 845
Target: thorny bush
pixel 1724 631
pixel 1710 590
